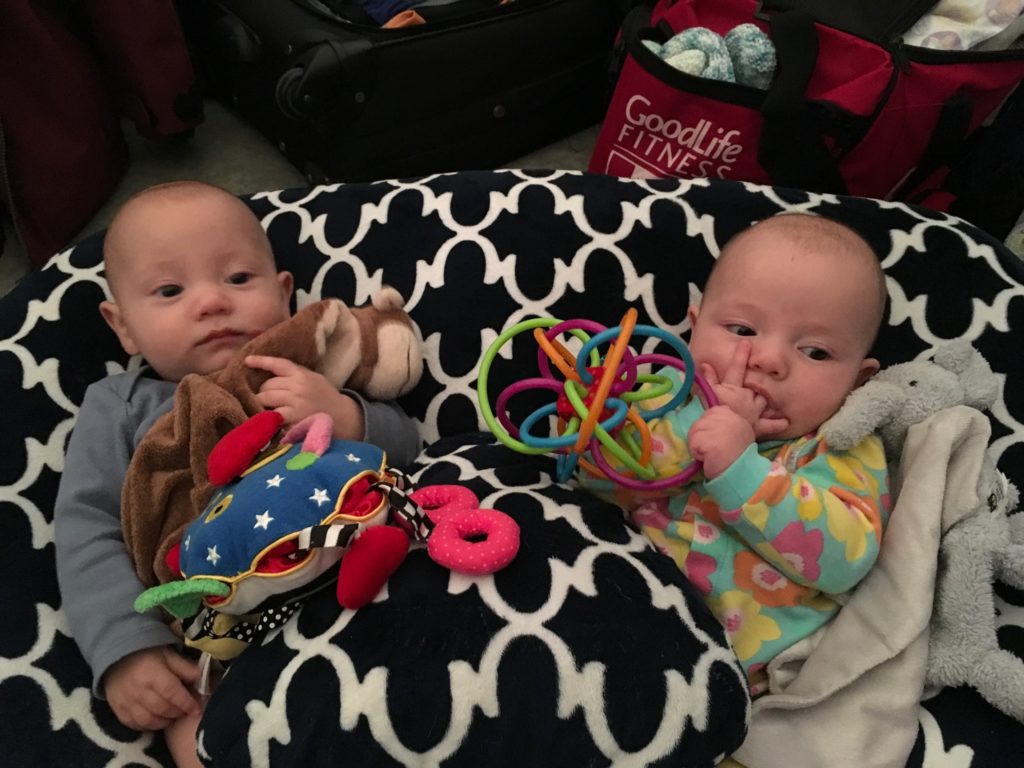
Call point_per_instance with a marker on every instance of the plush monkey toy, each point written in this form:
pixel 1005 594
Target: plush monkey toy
pixel 374 349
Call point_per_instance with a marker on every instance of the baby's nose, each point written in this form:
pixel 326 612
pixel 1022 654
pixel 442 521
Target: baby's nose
pixel 767 357
pixel 212 300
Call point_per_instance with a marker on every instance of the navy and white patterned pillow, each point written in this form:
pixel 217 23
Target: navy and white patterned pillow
pixel 588 649
pixel 472 253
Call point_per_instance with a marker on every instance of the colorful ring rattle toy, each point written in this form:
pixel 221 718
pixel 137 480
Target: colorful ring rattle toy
pixel 594 401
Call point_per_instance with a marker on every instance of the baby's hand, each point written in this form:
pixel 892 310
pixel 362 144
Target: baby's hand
pixel 148 689
pixel 296 392
pixel 718 438
pixel 729 388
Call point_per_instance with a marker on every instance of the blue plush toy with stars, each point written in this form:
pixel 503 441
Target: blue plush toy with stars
pixel 278 529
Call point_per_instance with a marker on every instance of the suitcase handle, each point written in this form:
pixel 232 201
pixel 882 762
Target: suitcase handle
pixel 325 75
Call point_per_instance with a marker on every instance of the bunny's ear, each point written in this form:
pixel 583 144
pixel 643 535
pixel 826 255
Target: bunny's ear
pixel 865 410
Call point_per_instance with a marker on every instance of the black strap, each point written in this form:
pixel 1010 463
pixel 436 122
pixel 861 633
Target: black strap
pixel 636 19
pixel 943 145
pixel 792 149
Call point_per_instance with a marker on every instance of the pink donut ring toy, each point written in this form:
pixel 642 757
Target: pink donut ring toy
pixel 474 541
pixel 438 500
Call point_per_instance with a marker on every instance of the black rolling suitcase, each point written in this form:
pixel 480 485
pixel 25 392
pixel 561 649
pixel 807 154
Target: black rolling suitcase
pixel 478 84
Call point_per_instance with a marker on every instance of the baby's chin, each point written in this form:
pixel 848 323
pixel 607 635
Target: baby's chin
pixel 217 359
pixel 773 430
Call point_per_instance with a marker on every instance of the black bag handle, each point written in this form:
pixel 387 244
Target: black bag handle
pixel 638 17
pixel 792 150
pixel 946 141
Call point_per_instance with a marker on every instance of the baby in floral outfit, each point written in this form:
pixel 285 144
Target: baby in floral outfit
pixel 778 524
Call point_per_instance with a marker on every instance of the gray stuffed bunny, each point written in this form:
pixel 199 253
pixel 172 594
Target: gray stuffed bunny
pixel 985 545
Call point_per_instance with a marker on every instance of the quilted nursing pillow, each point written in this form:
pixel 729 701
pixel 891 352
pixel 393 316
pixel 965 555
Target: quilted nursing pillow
pixel 589 648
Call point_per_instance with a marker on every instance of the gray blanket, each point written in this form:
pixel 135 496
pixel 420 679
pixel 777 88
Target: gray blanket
pixel 849 694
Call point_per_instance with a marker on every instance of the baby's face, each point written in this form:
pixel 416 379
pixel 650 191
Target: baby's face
pixel 193 281
pixel 803 315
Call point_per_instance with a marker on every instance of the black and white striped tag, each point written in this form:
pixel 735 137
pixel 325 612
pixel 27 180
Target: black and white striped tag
pixel 403 506
pixel 324 536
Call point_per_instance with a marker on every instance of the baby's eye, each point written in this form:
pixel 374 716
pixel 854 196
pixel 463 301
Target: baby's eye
pixel 739 329
pixel 815 353
pixel 168 291
pixel 239 278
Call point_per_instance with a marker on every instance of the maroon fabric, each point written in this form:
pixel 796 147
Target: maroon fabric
pixel 143 50
pixel 896 142
pixel 62 149
pixel 664 123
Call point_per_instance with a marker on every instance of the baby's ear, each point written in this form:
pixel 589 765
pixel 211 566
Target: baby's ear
pixel 865 410
pixel 868 368
pixel 691 314
pixel 112 314
pixel 287 283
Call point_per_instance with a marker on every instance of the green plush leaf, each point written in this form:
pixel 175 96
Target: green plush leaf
pixel 180 598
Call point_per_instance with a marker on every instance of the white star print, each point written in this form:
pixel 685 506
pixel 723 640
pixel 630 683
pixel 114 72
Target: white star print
pixel 262 521
pixel 275 481
pixel 187 540
pixel 353 457
pixel 320 496
pixel 211 554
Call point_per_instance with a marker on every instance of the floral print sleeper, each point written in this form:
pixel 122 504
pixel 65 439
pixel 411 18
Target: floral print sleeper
pixel 773 539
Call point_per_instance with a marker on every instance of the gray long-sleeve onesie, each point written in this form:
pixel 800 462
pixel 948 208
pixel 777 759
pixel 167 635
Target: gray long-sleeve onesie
pixel 97 582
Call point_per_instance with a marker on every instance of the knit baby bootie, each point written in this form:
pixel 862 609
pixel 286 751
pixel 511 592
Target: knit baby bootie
pixel 716 62
pixel 746 55
pixel 753 55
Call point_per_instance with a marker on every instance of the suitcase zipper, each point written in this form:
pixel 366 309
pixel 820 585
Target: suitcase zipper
pixel 483 13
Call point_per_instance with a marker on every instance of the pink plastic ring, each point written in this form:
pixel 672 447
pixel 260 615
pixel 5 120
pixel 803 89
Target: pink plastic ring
pixel 440 500
pixel 474 541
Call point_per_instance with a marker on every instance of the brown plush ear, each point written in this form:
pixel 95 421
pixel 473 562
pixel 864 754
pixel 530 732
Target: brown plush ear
pixel 390 360
pixel 338 337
